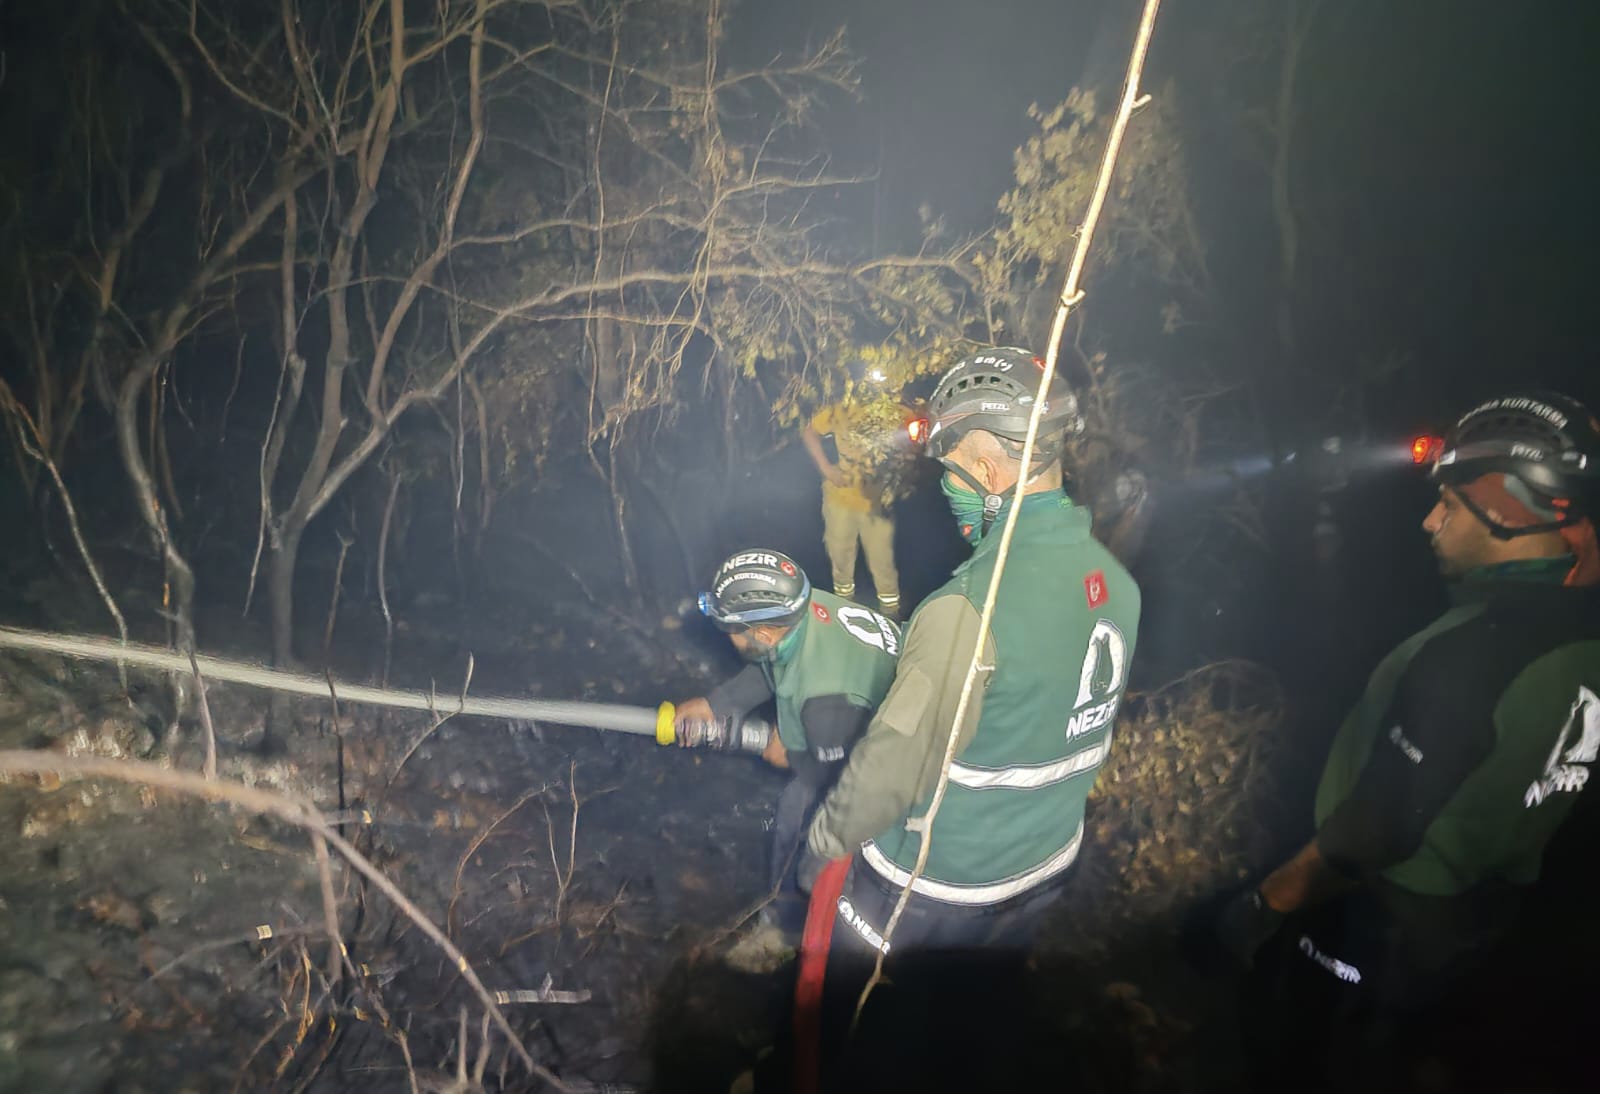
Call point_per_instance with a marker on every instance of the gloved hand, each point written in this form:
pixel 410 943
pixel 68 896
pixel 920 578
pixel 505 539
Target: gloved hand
pixel 809 866
pixel 748 734
pixel 1243 925
pixel 710 732
pixel 686 712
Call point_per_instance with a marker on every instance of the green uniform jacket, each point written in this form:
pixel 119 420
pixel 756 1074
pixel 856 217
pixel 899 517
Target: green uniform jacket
pixel 1036 730
pixel 831 673
pixel 1472 743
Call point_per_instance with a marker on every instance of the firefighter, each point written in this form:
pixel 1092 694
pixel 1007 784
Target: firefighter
pixel 826 662
pixel 861 485
pixel 1469 749
pixel 1036 730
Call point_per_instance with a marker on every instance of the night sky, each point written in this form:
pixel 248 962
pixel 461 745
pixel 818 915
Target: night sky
pixel 945 85
pixel 1443 162
pixel 1446 157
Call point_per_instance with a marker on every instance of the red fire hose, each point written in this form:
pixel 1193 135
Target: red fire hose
pixel 813 965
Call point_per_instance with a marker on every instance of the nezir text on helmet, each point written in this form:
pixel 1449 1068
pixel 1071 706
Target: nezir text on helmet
pixel 751 558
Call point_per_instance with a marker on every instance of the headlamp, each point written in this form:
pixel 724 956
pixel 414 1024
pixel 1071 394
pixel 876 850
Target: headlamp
pixel 729 622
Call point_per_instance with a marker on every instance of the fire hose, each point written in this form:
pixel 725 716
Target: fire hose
pixel 657 722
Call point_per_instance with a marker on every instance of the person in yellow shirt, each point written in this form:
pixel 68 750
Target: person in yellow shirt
pixel 858 485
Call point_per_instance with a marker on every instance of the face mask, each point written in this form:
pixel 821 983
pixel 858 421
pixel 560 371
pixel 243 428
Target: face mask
pixel 967 505
pixel 755 651
pixel 786 646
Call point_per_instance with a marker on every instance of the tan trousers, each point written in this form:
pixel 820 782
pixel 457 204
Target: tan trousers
pixel 842 529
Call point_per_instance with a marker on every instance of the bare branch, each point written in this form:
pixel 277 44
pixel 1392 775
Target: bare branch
pixel 26 433
pixel 210 767
pixel 291 809
pixel 217 70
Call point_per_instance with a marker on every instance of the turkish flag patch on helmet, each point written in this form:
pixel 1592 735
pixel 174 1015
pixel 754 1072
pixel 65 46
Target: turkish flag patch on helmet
pixel 1094 589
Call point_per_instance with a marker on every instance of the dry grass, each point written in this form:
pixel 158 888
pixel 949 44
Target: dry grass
pixel 1185 804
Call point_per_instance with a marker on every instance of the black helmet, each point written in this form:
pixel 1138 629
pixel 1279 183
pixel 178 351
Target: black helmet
pixel 1548 442
pixel 994 390
pixel 756 586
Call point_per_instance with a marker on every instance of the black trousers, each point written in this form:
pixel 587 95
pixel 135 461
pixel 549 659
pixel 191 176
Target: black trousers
pixel 1350 997
pixel 790 817
pixel 955 1012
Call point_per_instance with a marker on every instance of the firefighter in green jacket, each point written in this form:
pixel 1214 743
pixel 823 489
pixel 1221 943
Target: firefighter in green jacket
pixel 1468 751
pixel 825 661
pixel 1038 724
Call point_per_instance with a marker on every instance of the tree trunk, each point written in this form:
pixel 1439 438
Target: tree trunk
pixel 179 577
pixel 280 594
pixel 280 590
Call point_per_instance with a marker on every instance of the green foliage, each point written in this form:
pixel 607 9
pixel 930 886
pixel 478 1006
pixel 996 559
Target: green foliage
pixel 1146 278
pixel 1147 237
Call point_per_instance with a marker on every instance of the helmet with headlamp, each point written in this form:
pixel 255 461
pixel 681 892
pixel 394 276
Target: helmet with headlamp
pixel 996 391
pixel 756 586
pixel 1546 445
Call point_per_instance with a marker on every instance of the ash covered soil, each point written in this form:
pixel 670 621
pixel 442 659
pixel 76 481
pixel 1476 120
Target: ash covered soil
pixel 154 943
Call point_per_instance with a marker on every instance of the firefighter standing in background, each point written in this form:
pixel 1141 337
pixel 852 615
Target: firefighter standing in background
pixel 1469 751
pixel 859 488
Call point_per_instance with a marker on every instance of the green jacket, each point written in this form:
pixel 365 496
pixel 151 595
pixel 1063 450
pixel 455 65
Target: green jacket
pixel 1472 742
pixel 843 650
pixel 1061 642
pixel 831 672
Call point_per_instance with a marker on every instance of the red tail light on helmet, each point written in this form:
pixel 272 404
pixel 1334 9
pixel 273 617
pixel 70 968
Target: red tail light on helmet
pixel 1426 448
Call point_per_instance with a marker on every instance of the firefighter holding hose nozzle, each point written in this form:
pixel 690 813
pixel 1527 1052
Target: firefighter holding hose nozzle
pixel 827 664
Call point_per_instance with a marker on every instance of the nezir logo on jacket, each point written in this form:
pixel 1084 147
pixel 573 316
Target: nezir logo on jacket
pixel 1568 772
pixel 1100 681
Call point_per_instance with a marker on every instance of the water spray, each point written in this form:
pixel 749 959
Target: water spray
pixel 657 722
